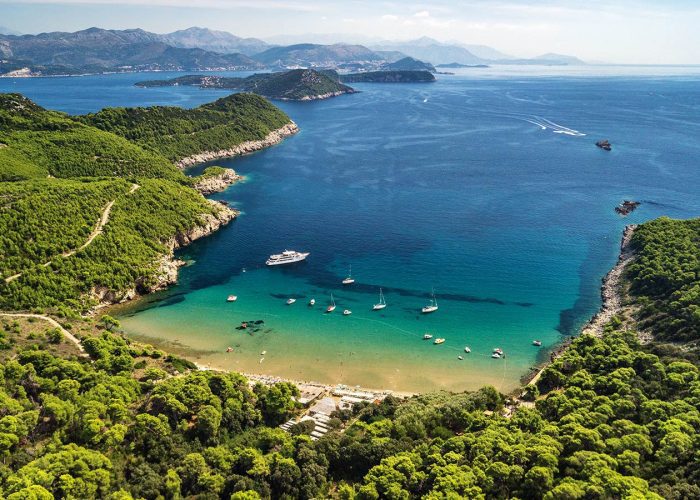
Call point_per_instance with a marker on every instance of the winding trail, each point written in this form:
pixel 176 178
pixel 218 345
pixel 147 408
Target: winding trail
pixel 101 223
pixel 68 335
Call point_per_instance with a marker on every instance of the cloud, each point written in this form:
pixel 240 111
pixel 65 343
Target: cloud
pixel 212 4
pixel 390 17
pixel 422 14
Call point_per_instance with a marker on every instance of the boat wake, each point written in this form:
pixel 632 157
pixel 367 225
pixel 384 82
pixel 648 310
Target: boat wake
pixel 545 124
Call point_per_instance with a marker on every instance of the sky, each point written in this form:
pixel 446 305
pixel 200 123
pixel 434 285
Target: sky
pixel 616 31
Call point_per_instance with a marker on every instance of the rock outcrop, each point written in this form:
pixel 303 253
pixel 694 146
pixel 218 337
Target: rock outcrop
pixel 217 183
pixel 604 144
pixel 626 207
pixel 274 137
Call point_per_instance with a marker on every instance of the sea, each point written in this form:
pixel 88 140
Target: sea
pixel 485 186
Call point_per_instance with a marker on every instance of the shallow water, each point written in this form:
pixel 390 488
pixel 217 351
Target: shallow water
pixel 488 189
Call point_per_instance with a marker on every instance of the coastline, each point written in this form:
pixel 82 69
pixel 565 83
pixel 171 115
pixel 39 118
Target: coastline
pixel 611 296
pixel 271 139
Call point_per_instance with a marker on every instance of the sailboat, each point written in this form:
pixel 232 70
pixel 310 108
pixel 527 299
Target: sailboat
pixel 331 307
pixel 349 280
pixel 432 307
pixel 382 302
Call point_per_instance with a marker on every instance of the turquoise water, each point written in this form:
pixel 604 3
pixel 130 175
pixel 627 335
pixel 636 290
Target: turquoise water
pixel 488 189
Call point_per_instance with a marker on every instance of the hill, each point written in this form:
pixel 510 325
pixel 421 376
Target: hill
pixel 92 214
pixel 408 64
pixel 178 133
pixel 35 142
pixel 214 41
pixel 389 77
pixel 97 50
pixel 314 55
pixel 432 51
pixel 293 85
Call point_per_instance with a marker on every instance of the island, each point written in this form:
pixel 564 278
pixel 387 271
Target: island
pixel 408 64
pixel 293 85
pixel 389 77
pixel 456 65
pixel 604 144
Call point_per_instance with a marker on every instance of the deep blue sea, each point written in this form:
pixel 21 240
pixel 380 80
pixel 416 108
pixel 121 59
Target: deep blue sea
pixel 487 187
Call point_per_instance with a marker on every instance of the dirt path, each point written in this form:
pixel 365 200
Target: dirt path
pixel 68 335
pixel 101 223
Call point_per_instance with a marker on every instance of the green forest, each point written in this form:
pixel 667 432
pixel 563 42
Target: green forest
pixel 665 278
pixel 177 133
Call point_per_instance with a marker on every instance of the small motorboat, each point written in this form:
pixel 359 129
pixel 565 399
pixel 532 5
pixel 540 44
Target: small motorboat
pixel 291 301
pixel 347 312
pixel 331 306
pixel 427 336
pixel 229 349
pixel 349 280
pixel 312 302
pixel 467 350
pixel 495 355
pixel 498 350
pixel 263 353
pixel 460 358
pixel 439 341
pixel 232 298
pixel 537 343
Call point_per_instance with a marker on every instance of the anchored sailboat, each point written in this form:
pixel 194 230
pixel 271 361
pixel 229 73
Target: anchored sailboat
pixel 331 307
pixel 349 280
pixel 432 307
pixel 382 302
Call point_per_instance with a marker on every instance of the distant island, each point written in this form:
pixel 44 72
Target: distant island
pixel 455 65
pixel 389 77
pixel 408 64
pixel 294 85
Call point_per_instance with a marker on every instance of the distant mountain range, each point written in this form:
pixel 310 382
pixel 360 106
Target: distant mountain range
pixel 214 41
pixel 96 50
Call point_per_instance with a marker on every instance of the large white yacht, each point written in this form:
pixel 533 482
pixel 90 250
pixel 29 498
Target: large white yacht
pixel 286 257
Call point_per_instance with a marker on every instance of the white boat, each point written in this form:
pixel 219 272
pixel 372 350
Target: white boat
pixel 382 302
pixel 347 312
pixel 263 353
pixel 495 355
pixel 291 301
pixel 432 307
pixel 286 257
pixel 349 280
pixel 460 358
pixel 232 298
pixel 467 350
pixel 331 306
pixel 498 350
pixel 537 343
pixel 312 302
pixel 427 336
pixel 439 341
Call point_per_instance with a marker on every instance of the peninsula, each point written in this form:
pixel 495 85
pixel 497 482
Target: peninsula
pixel 293 85
pixel 118 173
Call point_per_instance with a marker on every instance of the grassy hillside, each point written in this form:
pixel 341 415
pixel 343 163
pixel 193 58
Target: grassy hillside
pixel 177 133
pixel 35 142
pixel 34 229
pixel 665 277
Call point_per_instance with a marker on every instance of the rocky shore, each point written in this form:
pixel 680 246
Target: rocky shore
pixel 321 96
pixel 168 265
pixel 610 290
pixel 274 137
pixel 217 183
